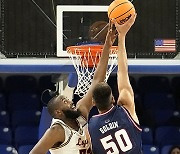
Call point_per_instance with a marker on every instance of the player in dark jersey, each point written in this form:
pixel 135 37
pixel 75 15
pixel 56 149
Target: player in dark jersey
pixel 115 130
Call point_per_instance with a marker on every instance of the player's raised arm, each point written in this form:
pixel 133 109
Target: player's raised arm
pixel 126 95
pixel 85 104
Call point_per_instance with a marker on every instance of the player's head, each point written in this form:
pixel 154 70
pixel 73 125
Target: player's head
pixel 102 96
pixel 60 107
pixel 175 150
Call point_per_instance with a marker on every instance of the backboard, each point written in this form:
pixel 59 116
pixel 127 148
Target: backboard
pixel 73 22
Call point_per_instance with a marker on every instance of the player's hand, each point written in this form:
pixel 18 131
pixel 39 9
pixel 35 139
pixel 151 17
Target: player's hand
pixel 124 28
pixel 111 34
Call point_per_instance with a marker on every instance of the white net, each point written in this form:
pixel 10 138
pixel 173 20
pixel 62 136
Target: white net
pixel 85 66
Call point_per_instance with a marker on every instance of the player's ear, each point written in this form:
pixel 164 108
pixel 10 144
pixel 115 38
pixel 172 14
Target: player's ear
pixel 93 102
pixel 58 112
pixel 112 99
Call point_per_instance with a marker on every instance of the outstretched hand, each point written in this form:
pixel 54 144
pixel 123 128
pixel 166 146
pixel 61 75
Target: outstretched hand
pixel 111 34
pixel 124 28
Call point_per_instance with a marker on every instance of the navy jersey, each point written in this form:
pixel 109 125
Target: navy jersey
pixel 115 132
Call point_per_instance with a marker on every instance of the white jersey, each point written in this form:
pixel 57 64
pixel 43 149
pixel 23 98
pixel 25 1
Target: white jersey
pixel 76 142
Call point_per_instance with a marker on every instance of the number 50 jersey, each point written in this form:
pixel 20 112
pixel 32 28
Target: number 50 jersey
pixel 115 132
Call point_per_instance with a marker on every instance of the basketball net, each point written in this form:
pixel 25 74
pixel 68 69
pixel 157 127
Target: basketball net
pixel 85 59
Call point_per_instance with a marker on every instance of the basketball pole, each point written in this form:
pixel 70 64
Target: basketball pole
pixel 63 87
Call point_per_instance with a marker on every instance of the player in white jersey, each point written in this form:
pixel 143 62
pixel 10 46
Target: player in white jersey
pixel 68 135
pixel 79 137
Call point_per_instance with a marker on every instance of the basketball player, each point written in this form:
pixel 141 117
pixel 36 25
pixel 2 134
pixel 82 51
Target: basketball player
pixel 115 130
pixel 68 133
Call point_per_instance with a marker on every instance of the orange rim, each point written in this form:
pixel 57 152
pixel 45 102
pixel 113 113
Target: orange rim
pixel 95 51
pixel 86 48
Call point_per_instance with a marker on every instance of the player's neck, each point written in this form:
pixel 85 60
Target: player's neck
pixel 104 111
pixel 72 123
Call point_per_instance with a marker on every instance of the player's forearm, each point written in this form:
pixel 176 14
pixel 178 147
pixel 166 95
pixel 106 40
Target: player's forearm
pixel 122 55
pixel 100 72
pixel 123 78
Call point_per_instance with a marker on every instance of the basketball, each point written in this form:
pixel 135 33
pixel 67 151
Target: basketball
pixel 98 31
pixel 121 10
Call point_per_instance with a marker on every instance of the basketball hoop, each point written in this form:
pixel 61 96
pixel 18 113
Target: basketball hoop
pixel 85 59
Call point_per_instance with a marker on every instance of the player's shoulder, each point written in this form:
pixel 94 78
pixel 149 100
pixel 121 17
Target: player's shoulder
pixel 115 109
pixel 56 127
pixel 55 133
pixel 97 117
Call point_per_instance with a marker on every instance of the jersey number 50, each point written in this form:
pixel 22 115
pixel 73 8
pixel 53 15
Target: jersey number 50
pixel 122 139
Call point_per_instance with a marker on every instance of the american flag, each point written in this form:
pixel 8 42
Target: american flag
pixel 165 45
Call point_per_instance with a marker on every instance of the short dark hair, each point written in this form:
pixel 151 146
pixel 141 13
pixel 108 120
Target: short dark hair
pixel 174 147
pixel 101 95
pixel 52 105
